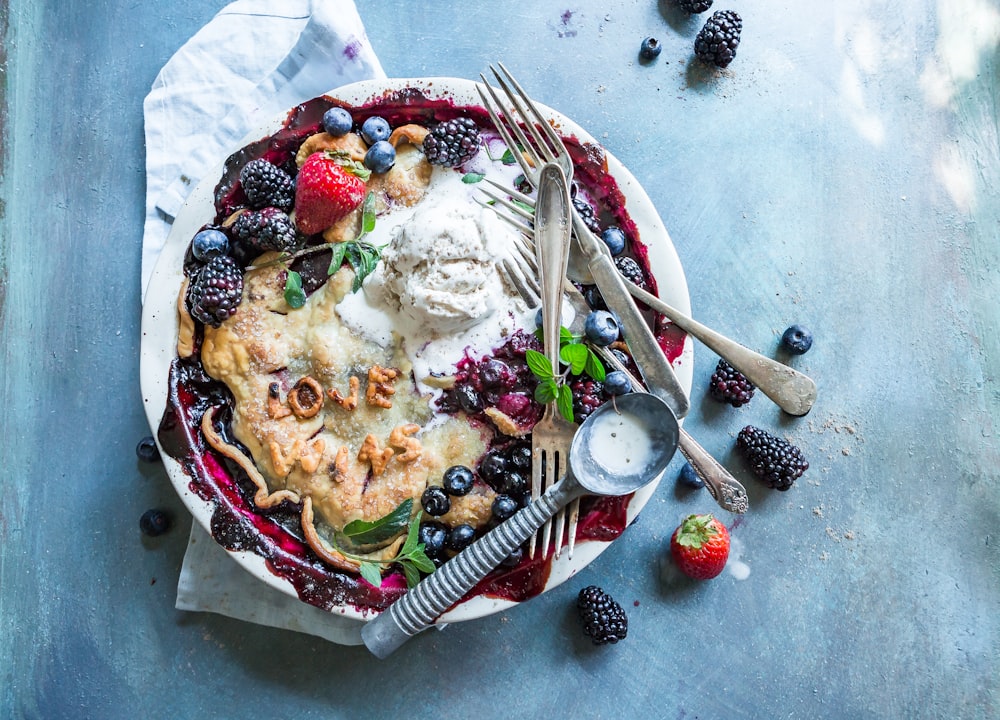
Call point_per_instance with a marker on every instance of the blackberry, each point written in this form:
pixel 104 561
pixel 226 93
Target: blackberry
pixel 587 397
pixel 267 229
pixel 603 618
pixel 716 43
pixel 216 291
pixel 694 6
pixel 587 214
pixel 775 461
pixel 729 385
pixel 452 143
pixel 265 184
pixel 631 270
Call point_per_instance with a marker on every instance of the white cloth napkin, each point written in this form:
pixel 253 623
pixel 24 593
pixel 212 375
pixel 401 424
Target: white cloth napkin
pixel 254 59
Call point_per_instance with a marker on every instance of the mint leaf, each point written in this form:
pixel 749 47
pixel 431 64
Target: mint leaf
pixel 594 366
pixel 420 560
pixel 295 296
pixel 338 258
pixel 575 355
pixel 371 572
pixel 538 364
pixel 411 573
pixel 565 402
pixel 547 391
pixel 367 215
pixel 472 178
pixel 508 157
pixel 364 532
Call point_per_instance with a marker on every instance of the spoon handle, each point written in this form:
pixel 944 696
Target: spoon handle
pixel 423 604
pixel 793 392
pixel 727 491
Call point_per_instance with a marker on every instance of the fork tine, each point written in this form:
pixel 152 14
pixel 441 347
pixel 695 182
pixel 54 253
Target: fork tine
pixel 555 144
pixel 501 127
pixel 539 150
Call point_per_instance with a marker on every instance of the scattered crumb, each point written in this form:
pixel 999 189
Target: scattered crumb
pixel 152 581
pixel 635 603
pixel 824 556
pixel 818 511
pixel 848 534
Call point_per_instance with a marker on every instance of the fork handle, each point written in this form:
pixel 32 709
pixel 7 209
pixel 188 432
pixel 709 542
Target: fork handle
pixel 421 606
pixel 648 356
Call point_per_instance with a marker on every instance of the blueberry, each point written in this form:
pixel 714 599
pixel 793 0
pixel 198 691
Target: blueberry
pixel 469 399
pixel 689 477
pixel 433 536
pixel 514 483
pixel 538 318
pixel 435 501
pixel 147 451
pixel 154 522
pixel 337 121
pixel 458 480
pixel 208 244
pixel 504 506
pixel 519 458
pixel 380 156
pixel 492 467
pixel 592 294
pixel 650 49
pixel 617 383
pixel 460 537
pixel 614 238
pixel 601 327
pixel 374 129
pixel 495 373
pixel 797 339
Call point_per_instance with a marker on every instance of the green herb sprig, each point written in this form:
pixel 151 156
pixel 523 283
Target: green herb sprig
pixel 412 557
pixel 578 359
pixel 362 256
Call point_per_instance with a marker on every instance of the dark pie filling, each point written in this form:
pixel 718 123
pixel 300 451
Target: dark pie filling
pixel 501 380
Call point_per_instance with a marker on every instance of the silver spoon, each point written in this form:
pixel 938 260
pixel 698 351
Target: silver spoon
pixel 621 447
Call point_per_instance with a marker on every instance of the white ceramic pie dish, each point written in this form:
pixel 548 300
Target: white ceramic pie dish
pixel 159 322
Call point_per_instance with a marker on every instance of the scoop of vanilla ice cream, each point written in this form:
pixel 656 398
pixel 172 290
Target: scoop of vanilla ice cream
pixel 439 269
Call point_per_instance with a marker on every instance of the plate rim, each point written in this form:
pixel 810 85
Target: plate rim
pixel 158 348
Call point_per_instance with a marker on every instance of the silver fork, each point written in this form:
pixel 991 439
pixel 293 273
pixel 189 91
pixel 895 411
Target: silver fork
pixel 725 489
pixel 552 436
pixel 546 146
pixel 792 391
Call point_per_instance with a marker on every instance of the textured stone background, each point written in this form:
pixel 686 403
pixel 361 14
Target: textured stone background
pixel 842 173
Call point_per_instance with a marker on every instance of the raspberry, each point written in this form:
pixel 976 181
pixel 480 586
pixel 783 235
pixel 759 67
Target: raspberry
pixel 267 229
pixel 694 6
pixel 631 270
pixel 587 397
pixel 452 143
pixel 729 385
pixel 775 461
pixel 716 43
pixel 216 291
pixel 603 618
pixel 266 184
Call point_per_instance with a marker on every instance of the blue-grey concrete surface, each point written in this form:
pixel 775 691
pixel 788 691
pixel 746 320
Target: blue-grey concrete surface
pixel 843 173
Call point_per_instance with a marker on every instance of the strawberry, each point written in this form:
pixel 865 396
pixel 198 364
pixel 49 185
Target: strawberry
pixel 326 190
pixel 700 546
